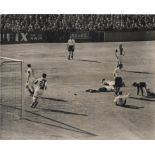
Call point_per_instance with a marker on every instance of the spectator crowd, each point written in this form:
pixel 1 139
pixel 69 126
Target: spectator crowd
pixel 76 22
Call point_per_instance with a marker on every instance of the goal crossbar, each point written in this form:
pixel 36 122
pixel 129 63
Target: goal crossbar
pixel 10 59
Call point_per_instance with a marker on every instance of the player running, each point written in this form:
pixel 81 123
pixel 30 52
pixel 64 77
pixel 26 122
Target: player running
pixel 39 90
pixel 30 80
pixel 71 47
pixel 119 55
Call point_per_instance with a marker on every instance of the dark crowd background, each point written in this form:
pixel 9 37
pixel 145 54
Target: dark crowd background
pixel 77 22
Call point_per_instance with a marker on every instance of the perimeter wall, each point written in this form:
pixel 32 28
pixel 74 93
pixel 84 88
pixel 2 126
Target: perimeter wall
pixel 52 37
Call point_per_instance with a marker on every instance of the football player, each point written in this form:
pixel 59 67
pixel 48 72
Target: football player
pixel 41 86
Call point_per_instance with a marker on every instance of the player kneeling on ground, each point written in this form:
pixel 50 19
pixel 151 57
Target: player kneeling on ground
pixel 141 86
pixel 121 99
pixel 39 90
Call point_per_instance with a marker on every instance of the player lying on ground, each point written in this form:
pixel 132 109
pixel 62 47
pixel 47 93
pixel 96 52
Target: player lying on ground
pixel 30 80
pixel 118 79
pixel 121 99
pixel 141 86
pixel 39 90
pixel 119 53
pixel 107 83
pixel 71 47
pixel 107 86
pixel 111 83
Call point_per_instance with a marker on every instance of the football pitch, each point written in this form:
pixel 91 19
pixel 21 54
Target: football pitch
pixel 66 111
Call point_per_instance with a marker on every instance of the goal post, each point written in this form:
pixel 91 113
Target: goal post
pixel 11 87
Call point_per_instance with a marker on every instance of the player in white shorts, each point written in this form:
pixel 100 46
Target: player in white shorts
pixel 30 80
pixel 71 47
pixel 39 90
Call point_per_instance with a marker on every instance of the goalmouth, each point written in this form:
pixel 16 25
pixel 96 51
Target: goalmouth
pixel 11 88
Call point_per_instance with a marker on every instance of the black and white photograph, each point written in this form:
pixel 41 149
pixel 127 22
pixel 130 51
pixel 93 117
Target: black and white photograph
pixel 77 77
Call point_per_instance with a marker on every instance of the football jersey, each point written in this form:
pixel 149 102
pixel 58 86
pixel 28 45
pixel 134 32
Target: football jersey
pixel 71 42
pixel 117 72
pixel 30 73
pixel 109 83
pixel 121 99
pixel 109 88
pixel 41 83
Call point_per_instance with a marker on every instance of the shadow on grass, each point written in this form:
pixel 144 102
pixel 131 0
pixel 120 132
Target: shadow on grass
pixel 66 126
pixel 61 111
pixel 60 127
pixel 138 72
pixel 88 60
pixel 53 99
pixel 59 122
pixel 132 107
pixel 143 99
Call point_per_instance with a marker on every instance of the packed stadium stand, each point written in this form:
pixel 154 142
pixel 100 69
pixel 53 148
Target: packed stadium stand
pixel 76 22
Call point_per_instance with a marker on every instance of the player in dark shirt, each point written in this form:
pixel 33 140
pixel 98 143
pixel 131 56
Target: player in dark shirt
pixel 141 86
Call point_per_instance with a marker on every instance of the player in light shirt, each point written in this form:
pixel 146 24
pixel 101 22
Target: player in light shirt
pixel 41 86
pixel 71 47
pixel 118 79
pixel 121 99
pixel 119 53
pixel 108 83
pixel 30 80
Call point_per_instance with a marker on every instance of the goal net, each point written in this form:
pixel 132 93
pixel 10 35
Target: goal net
pixel 11 88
